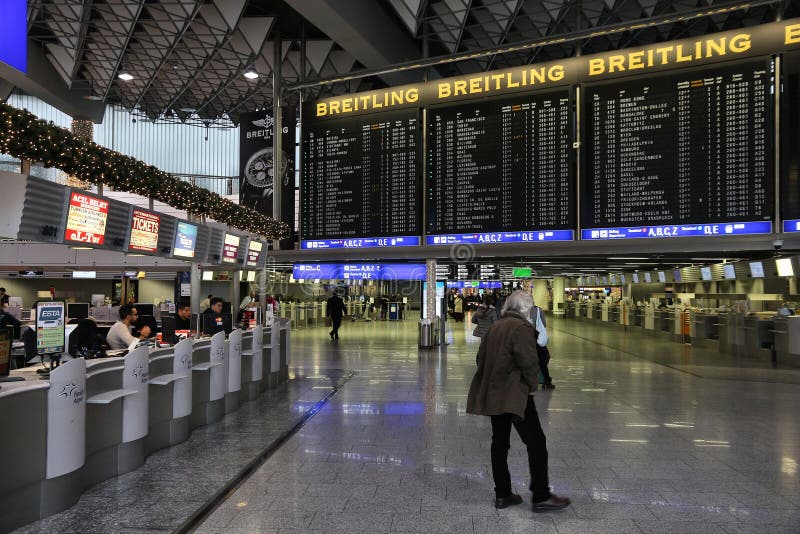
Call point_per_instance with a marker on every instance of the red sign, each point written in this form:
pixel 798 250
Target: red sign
pixel 86 221
pixel 254 253
pixel 144 231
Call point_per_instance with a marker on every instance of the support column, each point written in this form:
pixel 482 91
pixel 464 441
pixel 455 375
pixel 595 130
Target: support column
pixel 236 294
pixel 196 297
pixel 559 284
pixel 262 290
pixel 277 137
pixel 430 293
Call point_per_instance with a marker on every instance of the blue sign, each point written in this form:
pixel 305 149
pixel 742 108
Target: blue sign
pixel 680 230
pixel 501 237
pixel 14 34
pixel 791 226
pixel 359 271
pixel 362 242
pixel 185 240
pixel 461 284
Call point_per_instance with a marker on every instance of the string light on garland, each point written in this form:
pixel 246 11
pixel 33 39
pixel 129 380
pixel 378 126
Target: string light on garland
pixel 24 136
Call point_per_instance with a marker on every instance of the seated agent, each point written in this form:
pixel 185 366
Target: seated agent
pixel 119 336
pixel 183 317
pixel 214 310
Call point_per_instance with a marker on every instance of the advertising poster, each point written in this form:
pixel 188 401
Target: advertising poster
pixel 185 240
pixel 256 183
pixel 230 251
pixel 144 231
pixel 254 253
pixel 86 219
pixel 50 327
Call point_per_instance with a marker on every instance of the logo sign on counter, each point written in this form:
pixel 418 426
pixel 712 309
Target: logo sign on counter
pixel 254 253
pixel 50 327
pixel 86 221
pixel 185 240
pixel 230 251
pixel 144 231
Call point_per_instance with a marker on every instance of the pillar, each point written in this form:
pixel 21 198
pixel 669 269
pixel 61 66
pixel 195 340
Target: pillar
pixel 559 284
pixel 236 290
pixel 430 293
pixel 196 295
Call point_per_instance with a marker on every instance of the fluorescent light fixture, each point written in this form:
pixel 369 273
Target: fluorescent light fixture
pixel 624 258
pixel 208 275
pixel 784 266
pixel 84 274
pixel 250 74
pixel 125 76
pixel 81 248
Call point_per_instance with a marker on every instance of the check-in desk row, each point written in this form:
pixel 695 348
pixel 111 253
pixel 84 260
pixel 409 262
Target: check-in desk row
pixel 303 314
pixel 97 419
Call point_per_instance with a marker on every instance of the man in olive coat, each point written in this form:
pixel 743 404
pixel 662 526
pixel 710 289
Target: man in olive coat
pixel 502 389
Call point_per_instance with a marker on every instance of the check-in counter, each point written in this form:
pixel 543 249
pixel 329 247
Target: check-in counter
pixel 758 337
pixel 233 347
pixel 613 314
pixel 569 310
pixel 705 333
pixel 787 340
pixel 284 350
pixel 252 363
pixel 170 396
pixel 649 318
pixel 604 313
pixel 43 444
pixel 638 316
pixel 209 380
pixel 664 321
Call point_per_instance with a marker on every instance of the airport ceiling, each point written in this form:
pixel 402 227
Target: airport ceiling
pixel 188 57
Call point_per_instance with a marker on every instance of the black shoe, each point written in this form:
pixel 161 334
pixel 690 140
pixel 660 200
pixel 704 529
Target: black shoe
pixel 505 502
pixel 548 385
pixel 331 334
pixel 553 503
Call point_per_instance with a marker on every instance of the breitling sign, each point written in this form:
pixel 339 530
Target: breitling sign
pixel 759 40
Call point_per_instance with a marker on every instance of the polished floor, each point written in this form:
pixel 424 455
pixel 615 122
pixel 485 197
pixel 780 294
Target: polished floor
pixel 645 435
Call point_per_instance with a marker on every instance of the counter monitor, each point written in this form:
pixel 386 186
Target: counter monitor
pixel 756 269
pixel 662 277
pixel 648 278
pixel 676 275
pixel 185 240
pixel 635 277
pixel 784 266
pixel 705 273
pixel 78 310
pixel 230 250
pixel 729 271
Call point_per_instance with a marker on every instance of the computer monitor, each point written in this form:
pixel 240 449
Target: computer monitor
pixel 6 338
pixel 15 302
pixel 144 309
pixel 227 323
pixel 226 307
pixel 756 269
pixel 705 273
pixel 662 277
pixel 78 310
pixel 212 324
pixel 729 270
pixel 168 329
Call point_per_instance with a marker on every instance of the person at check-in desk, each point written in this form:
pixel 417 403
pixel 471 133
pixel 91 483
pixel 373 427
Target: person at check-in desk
pixel 214 310
pixel 183 317
pixel 119 336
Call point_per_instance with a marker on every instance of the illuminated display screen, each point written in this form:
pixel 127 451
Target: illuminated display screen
pixel 185 240
pixel 14 34
pixel 756 269
pixel 361 178
pixel 729 270
pixel 230 250
pixel 359 271
pixel 254 253
pixel 705 273
pixel 144 231
pixel 86 219
pixel 784 266
pixel 662 277
pixel 501 165
pixel 682 154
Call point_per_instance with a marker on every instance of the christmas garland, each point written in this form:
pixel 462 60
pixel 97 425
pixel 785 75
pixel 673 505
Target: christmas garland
pixel 24 136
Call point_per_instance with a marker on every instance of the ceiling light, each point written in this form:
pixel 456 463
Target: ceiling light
pixel 625 258
pixel 250 74
pixel 125 76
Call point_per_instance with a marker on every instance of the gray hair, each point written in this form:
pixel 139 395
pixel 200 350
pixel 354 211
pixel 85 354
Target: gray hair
pixel 519 302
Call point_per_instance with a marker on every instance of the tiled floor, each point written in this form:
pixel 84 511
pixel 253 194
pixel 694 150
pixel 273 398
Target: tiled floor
pixel 645 435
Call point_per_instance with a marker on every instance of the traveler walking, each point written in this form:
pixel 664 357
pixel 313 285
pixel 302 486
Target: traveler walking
pixel 335 310
pixel 485 316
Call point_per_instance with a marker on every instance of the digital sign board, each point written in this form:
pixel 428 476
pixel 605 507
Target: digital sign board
pixel 86 219
pixel 144 231
pixel 230 249
pixel 185 240
pixel 359 271
pixel 254 249
pixel 50 327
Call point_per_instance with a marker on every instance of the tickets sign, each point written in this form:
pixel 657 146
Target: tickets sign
pixel 254 253
pixel 230 250
pixel 86 220
pixel 144 231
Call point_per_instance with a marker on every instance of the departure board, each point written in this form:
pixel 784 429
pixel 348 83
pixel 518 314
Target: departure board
pixel 790 142
pixel 501 165
pixel 361 177
pixel 683 149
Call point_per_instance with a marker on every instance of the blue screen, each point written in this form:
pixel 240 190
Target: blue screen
pixel 14 33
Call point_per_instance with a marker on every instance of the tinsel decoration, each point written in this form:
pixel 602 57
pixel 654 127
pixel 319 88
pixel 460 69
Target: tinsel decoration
pixel 24 136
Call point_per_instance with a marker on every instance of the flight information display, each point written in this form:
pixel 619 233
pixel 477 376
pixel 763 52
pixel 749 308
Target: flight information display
pixel 499 169
pixel 362 179
pixel 688 153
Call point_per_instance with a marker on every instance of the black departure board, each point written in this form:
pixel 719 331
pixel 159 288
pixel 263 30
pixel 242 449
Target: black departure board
pixel 689 147
pixel 501 165
pixel 362 177
pixel 790 142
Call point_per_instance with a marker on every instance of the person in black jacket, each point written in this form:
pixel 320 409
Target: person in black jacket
pixel 335 310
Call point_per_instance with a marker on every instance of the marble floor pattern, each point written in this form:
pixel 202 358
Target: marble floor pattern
pixel 175 482
pixel 645 435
